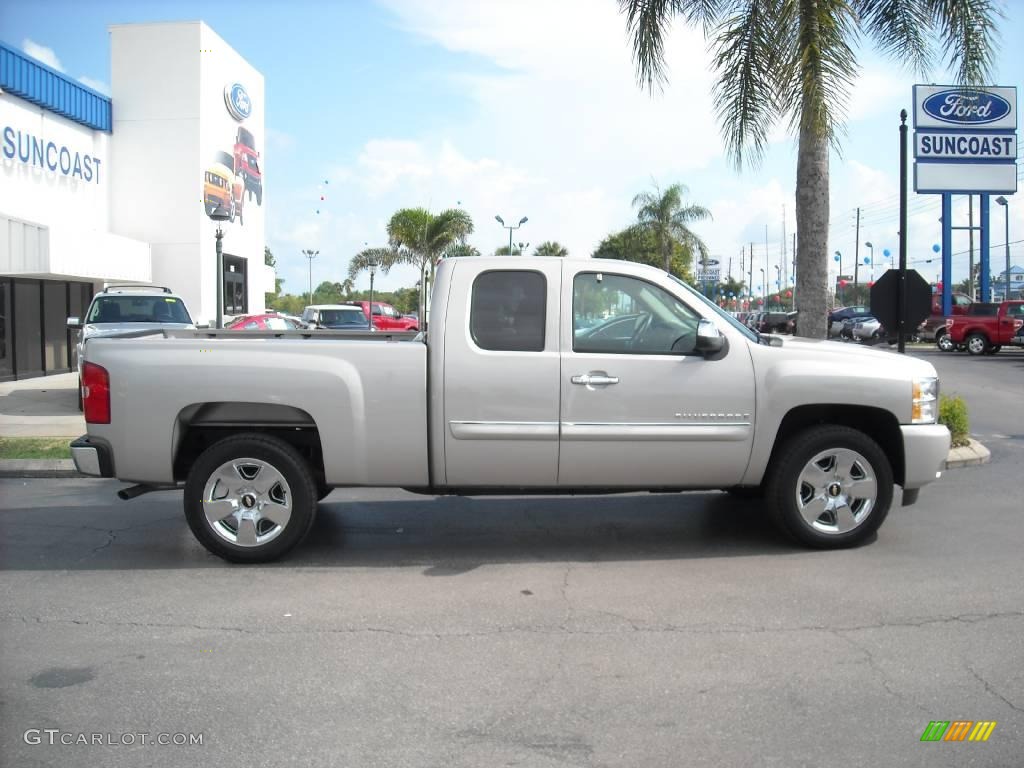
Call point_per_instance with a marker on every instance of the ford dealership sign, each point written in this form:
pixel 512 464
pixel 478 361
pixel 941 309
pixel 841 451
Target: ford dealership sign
pixel 965 140
pixel 236 98
pixel 961 107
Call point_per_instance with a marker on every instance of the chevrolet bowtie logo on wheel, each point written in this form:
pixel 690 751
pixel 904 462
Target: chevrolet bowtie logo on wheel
pixel 958 730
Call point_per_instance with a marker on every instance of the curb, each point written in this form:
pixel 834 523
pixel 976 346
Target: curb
pixel 38 468
pixel 968 456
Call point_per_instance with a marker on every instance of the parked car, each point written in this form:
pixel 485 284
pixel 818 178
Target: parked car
pixel 846 331
pixel 866 328
pixel 985 334
pixel 122 308
pixel 386 317
pixel 837 316
pixel 777 322
pixel 265 322
pixel 336 316
pixel 934 326
pixel 504 395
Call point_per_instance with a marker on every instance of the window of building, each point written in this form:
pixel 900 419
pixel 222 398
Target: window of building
pixel 236 300
pixel 508 311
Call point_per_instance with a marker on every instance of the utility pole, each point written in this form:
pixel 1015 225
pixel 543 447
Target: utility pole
pixel 751 271
pixel 785 270
pixel 310 254
pixel 856 259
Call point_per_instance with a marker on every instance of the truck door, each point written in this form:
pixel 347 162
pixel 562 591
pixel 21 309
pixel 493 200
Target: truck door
pixel 501 368
pixel 639 407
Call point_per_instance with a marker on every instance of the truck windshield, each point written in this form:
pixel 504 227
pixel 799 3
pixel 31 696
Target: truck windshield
pixel 138 309
pixel 718 311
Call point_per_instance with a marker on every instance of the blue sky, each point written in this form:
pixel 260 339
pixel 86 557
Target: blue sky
pixel 515 108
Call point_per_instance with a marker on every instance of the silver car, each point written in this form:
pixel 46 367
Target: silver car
pixel 866 328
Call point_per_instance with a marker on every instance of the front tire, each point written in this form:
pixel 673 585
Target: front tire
pixel 830 487
pixel 250 498
pixel 976 344
pixel 943 342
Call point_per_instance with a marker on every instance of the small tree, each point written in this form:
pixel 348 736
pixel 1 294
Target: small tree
pixel 551 248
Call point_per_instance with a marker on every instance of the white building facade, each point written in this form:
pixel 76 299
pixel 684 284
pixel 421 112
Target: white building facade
pixel 97 190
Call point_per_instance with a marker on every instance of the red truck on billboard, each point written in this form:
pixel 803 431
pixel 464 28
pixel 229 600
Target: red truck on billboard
pixel 247 165
pixel 985 334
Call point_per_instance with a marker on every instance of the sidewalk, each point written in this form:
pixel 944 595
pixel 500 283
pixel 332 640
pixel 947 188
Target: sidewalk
pixel 46 406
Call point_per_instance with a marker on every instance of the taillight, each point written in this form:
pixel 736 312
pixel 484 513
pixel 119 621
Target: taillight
pixel 95 394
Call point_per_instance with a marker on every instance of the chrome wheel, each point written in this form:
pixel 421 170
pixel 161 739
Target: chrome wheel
pixel 945 343
pixel 247 502
pixel 836 491
pixel 976 344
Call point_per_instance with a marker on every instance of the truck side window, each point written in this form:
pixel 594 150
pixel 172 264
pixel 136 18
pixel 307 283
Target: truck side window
pixel 507 311
pixel 616 314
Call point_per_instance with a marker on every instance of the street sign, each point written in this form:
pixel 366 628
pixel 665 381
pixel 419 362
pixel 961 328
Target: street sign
pixel 708 276
pixel 709 262
pixel 885 300
pixel 965 139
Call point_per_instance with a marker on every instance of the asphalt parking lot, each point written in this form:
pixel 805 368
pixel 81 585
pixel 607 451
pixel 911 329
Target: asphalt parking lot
pixel 654 630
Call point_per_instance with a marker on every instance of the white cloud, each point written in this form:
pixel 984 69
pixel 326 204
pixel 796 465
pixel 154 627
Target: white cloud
pixel 41 53
pixel 96 85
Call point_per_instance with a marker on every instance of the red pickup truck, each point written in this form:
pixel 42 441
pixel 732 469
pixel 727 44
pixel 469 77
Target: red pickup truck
pixel 386 317
pixel 988 328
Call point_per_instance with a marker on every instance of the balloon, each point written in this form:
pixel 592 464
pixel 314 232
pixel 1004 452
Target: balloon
pixel 871 283
pixel 886 253
pixel 836 257
pixel 867 260
pixel 321 198
pixel 936 248
pixel 789 294
pixel 842 283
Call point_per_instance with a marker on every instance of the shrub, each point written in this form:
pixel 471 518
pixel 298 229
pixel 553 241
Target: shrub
pixel 953 413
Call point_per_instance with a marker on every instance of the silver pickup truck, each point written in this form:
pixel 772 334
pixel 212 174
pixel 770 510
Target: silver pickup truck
pixel 537 375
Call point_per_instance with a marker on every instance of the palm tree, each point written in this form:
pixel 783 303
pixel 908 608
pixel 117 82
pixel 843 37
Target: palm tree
pixel 664 215
pixel 551 248
pixel 794 60
pixel 417 237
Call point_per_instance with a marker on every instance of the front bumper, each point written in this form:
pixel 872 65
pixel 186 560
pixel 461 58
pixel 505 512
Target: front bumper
pixel 925 450
pixel 92 456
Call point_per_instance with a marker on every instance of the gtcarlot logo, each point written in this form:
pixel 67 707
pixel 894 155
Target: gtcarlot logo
pixel 55 736
pixel 958 730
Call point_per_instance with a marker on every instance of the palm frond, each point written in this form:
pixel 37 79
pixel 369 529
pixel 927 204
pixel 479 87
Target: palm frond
pixel 967 30
pixel 900 28
pixel 748 62
pixel 384 258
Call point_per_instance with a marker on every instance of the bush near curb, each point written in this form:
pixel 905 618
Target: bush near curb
pixel 953 413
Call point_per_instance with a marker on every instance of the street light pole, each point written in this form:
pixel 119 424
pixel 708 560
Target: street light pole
pixel 373 270
pixel 839 277
pixel 764 288
pixel 778 280
pixel 872 249
pixel 310 254
pixel 218 214
pixel 1006 209
pixel 510 228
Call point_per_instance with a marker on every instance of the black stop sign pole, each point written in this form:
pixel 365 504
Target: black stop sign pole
pixel 901 294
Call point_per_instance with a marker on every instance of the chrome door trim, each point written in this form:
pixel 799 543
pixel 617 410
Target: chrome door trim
pixel 655 431
pixel 504 430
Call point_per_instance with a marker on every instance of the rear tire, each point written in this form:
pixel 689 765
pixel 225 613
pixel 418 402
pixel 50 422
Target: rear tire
pixel 976 344
pixel 250 498
pixel 943 342
pixel 830 487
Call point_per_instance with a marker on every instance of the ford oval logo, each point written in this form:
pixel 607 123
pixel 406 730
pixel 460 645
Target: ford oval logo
pixel 236 98
pixel 962 107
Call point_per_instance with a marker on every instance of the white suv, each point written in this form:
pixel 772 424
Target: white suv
pixel 121 308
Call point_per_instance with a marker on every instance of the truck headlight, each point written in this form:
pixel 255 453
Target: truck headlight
pixel 925 406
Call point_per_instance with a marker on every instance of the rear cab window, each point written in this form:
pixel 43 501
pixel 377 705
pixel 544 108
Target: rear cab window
pixel 508 310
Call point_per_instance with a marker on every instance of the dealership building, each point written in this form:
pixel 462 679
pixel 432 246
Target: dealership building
pixel 99 190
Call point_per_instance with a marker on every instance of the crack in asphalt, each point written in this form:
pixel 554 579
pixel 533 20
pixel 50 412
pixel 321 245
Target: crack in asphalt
pixel 877 669
pixel 993 691
pixel 561 629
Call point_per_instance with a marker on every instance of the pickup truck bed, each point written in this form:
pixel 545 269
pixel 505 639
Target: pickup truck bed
pixel 536 376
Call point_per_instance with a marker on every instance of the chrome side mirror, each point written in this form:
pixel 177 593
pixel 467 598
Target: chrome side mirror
pixel 74 324
pixel 710 340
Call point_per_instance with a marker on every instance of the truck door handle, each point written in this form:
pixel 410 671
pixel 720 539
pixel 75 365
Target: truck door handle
pixel 595 379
